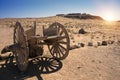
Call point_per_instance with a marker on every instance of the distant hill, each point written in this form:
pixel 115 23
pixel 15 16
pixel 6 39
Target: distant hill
pixel 80 16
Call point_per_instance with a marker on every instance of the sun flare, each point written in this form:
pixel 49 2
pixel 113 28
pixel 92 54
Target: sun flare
pixel 109 17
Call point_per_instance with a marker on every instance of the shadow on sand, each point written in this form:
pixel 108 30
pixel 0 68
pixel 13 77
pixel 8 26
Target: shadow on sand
pixel 37 66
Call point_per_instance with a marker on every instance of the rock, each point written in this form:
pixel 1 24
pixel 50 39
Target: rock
pixel 81 44
pixel 90 44
pixel 110 42
pixel 82 31
pixel 104 43
pixel 100 61
pixel 98 43
pixel 79 67
pixel 73 47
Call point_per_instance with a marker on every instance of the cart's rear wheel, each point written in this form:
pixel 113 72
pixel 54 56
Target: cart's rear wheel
pixel 22 51
pixel 59 48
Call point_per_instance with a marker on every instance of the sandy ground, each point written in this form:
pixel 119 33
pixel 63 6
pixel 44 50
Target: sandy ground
pixel 84 63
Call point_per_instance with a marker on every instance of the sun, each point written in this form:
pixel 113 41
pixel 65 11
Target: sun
pixel 109 17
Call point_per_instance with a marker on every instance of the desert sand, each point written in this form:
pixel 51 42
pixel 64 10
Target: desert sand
pixel 95 62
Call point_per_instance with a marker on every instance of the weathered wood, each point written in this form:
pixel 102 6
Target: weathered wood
pixel 22 51
pixel 31 32
pixel 51 31
pixel 39 37
pixel 48 37
pixel 60 43
pixel 56 37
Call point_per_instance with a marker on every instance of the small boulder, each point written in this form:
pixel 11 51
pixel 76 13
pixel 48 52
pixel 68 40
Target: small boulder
pixel 82 31
pixel 90 44
pixel 98 43
pixel 104 43
pixel 110 42
pixel 81 45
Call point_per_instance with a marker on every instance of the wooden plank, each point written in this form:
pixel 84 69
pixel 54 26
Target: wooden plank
pixel 48 37
pixel 39 37
pixel 30 32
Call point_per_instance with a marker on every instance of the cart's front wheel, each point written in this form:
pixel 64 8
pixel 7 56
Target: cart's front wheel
pixel 59 48
pixel 22 50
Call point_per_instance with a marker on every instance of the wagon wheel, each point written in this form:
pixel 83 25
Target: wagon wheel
pixel 59 48
pixel 22 50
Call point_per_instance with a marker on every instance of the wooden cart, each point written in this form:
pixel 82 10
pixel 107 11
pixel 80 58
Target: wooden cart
pixel 29 44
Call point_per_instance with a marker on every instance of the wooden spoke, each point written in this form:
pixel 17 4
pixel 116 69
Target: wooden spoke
pixel 54 52
pixel 51 48
pixel 59 29
pixel 61 32
pixel 57 52
pixel 62 47
pixel 60 51
pixel 61 42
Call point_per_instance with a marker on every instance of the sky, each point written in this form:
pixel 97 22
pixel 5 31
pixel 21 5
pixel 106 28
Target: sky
pixel 43 8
